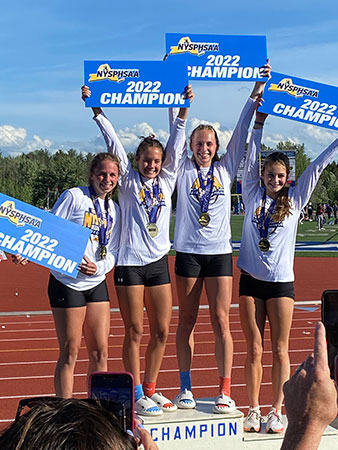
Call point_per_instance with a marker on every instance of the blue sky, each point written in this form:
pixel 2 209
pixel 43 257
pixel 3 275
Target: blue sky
pixel 43 46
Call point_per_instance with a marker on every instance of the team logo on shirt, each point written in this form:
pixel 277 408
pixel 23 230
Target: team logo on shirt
pixel 90 220
pixel 105 72
pixel 155 202
pixel 185 45
pixel 217 189
pixel 295 90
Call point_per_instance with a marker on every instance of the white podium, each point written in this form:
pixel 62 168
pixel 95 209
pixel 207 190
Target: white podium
pixel 200 428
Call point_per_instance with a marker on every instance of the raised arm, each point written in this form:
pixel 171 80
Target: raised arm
pixel 236 145
pixel 251 177
pixel 309 178
pixel 176 146
pixel 113 143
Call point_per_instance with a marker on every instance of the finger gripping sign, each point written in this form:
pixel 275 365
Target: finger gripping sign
pixel 302 100
pixel 41 237
pixel 136 83
pixel 218 58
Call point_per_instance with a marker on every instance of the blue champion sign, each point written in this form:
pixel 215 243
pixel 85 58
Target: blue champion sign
pixel 136 83
pixel 302 100
pixel 41 237
pixel 218 58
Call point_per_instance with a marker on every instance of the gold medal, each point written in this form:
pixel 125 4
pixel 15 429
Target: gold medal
pixel 204 219
pixel 264 245
pixel 103 252
pixel 152 229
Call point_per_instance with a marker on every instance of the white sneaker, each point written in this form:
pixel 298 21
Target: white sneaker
pixel 224 405
pixel 185 400
pixel 164 403
pixel 252 422
pixel 274 422
pixel 145 406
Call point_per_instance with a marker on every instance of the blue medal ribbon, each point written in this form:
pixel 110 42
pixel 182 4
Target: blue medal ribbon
pixel 151 199
pixel 264 218
pixel 105 224
pixel 205 188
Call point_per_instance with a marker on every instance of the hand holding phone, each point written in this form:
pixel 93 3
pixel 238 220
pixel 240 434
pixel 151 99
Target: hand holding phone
pixel 330 320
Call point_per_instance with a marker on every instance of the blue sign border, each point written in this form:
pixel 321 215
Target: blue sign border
pixel 136 84
pixel 211 57
pixel 41 237
pixel 302 100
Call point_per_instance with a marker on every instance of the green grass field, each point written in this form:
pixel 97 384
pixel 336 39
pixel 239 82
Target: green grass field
pixel 307 232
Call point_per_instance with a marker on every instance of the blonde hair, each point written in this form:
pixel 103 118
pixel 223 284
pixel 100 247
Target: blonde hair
pixel 205 126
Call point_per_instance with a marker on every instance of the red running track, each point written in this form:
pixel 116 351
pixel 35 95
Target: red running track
pixel 28 345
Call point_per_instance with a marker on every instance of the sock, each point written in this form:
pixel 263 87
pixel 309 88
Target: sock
pixel 224 385
pixel 149 388
pixel 138 392
pixel 185 380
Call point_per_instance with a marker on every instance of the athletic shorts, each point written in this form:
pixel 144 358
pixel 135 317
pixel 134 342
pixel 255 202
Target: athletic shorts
pixel 190 265
pixel 62 296
pixel 265 290
pixel 152 274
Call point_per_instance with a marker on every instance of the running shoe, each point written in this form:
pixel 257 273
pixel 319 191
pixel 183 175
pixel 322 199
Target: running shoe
pixel 224 405
pixel 163 403
pixel 252 422
pixel 145 406
pixel 274 422
pixel 185 400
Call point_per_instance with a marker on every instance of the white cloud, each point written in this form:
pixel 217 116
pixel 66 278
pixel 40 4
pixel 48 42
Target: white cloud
pixel 14 141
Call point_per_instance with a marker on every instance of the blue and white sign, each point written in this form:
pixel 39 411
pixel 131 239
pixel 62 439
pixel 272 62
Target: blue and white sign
pixel 302 100
pixel 217 57
pixel 136 83
pixel 41 237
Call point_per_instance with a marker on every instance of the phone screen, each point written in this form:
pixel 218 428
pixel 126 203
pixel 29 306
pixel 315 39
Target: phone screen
pixel 330 320
pixel 118 388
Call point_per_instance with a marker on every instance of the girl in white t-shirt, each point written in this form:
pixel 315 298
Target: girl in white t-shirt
pixel 203 247
pixel 141 276
pixel 272 210
pixel 81 305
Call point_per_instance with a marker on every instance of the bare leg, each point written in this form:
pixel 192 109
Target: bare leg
pixel 68 325
pixel 131 306
pixel 219 292
pixel 158 302
pixel 96 333
pixel 253 315
pixel 189 293
pixel 280 311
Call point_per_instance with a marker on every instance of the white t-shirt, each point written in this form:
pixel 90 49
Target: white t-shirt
pixel 276 264
pixel 77 206
pixel 138 248
pixel 215 238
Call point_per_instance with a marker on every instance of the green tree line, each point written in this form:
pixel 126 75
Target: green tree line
pixel 39 177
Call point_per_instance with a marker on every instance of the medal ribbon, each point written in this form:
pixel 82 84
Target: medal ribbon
pixel 265 217
pixel 151 199
pixel 105 225
pixel 205 189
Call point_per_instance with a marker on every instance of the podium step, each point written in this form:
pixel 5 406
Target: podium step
pixel 200 428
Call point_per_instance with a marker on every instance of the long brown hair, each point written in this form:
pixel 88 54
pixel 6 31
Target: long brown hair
pixel 283 203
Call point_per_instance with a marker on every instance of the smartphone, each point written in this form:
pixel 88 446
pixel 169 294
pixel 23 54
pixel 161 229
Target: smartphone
pixel 330 320
pixel 118 389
